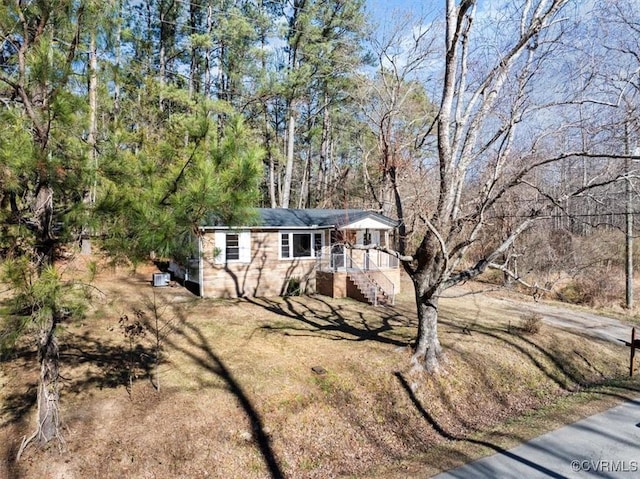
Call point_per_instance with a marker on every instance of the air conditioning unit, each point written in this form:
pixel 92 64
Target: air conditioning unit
pixel 161 279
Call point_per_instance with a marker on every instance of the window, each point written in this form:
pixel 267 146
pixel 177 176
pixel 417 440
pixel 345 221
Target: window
pixel 284 250
pixel 300 245
pixel 232 247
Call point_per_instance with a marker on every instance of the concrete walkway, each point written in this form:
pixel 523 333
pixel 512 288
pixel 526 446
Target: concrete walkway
pixel 605 445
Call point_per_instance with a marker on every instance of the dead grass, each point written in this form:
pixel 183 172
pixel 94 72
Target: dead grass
pixel 238 397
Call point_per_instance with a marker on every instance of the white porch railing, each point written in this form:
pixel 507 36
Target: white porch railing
pixel 380 260
pixel 362 273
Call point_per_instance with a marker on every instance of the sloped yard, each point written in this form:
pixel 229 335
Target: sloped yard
pixel 301 387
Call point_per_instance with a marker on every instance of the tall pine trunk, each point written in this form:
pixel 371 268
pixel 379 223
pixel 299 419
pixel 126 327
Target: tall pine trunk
pixel 48 399
pixel 48 426
pixel 288 174
pixel 48 390
pixel 323 181
pixel 90 197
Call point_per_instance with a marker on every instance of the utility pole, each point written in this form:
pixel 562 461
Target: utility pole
pixel 629 218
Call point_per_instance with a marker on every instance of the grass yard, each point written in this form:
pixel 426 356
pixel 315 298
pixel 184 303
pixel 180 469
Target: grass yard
pixel 301 387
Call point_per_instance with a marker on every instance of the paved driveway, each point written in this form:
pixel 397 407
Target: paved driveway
pixel 592 324
pixel 605 445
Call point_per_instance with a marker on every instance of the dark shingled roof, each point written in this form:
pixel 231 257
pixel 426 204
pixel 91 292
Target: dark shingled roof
pixel 281 217
pixel 322 218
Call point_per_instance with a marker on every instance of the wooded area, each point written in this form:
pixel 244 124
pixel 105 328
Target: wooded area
pixel 491 130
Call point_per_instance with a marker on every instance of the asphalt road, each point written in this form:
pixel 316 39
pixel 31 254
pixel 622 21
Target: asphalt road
pixel 606 445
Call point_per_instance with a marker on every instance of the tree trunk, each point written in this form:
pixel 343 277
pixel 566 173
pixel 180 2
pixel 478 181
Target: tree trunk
pixel 48 392
pixel 322 188
pixel 117 60
pixel 48 400
pixel 207 55
pixel 304 201
pixel 427 350
pixel 288 175
pixel 92 140
pixel 43 217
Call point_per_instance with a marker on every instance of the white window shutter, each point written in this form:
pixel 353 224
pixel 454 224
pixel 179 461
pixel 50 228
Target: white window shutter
pixel 244 242
pixel 359 237
pixel 220 240
pixel 375 237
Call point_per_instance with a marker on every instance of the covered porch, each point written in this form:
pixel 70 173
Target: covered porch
pixel 368 275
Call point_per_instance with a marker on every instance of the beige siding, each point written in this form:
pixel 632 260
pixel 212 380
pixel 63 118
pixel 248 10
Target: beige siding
pixel 265 275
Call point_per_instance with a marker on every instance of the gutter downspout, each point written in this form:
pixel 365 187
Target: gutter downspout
pixel 200 266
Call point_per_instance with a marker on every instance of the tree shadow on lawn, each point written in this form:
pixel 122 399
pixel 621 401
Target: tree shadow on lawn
pixel 213 363
pixel 106 369
pixel 174 325
pixel 108 366
pixel 319 317
pixel 325 318
pixel 452 437
pixel 388 325
pixel 458 461
pixel 113 365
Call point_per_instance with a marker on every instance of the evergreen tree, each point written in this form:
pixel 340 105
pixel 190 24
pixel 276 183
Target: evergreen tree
pixel 156 169
pixel 44 173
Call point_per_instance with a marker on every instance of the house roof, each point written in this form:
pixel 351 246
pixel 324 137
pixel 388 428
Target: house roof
pixel 317 218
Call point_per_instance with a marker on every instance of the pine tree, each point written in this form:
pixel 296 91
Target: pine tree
pixel 154 167
pixel 44 173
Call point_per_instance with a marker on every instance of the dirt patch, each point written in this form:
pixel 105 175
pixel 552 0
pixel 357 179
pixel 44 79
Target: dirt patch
pixel 238 396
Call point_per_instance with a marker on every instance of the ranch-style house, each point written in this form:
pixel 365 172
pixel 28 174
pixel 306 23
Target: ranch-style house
pixel 297 250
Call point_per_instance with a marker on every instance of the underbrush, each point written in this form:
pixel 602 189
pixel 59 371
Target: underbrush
pixel 597 290
pixel 583 269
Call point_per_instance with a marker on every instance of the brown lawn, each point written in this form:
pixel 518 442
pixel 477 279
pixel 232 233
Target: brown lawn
pixel 235 394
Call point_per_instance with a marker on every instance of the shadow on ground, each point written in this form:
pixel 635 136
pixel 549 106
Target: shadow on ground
pixel 115 365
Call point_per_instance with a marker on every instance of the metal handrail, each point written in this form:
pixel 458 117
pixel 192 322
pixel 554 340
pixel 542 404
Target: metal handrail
pixel 390 288
pixel 382 257
pixel 345 262
pixel 361 274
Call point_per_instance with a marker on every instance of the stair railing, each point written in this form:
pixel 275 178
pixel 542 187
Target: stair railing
pixel 387 286
pixel 363 278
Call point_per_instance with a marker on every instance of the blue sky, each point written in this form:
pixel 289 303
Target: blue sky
pixel 383 9
pixel 390 5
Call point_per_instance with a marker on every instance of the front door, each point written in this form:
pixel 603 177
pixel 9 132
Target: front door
pixel 368 237
pixel 337 250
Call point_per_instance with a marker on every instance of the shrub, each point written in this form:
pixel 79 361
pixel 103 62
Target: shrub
pixel 294 287
pixel 598 288
pixel 531 323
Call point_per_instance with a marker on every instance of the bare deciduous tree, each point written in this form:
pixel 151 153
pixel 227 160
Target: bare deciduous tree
pixel 501 127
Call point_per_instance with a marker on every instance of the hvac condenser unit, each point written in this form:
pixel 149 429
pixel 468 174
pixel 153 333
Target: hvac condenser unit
pixel 161 279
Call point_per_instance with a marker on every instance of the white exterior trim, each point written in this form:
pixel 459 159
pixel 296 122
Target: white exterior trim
pixel 200 267
pixel 367 224
pixel 244 245
pixel 220 244
pixel 266 228
pixel 314 254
